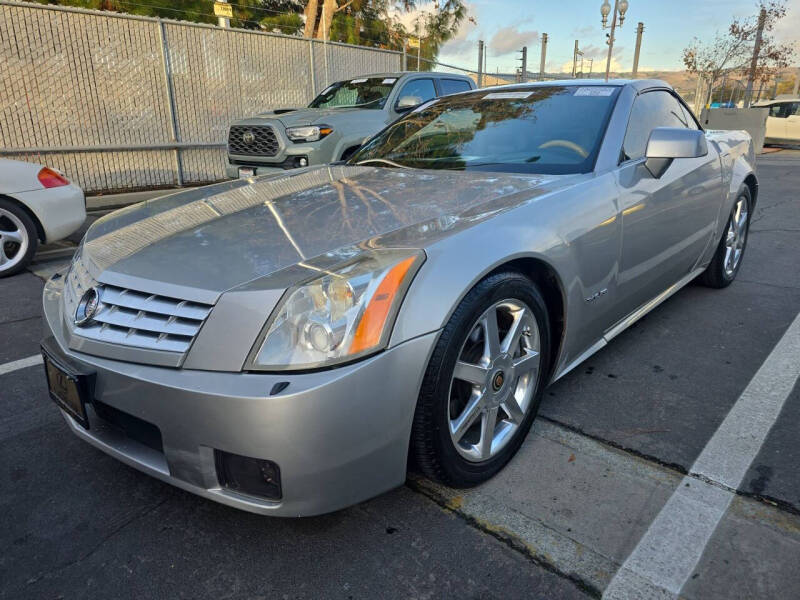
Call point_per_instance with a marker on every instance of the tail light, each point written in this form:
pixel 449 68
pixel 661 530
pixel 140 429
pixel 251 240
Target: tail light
pixel 50 178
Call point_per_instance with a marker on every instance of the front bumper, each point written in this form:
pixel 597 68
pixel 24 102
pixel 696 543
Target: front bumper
pixel 339 436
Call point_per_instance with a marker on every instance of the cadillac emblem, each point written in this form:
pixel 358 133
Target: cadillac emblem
pixel 87 307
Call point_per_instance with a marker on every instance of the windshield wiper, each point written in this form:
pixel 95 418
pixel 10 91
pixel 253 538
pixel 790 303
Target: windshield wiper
pixel 385 161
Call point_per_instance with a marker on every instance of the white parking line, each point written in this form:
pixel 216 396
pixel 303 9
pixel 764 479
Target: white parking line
pixel 669 551
pixel 22 363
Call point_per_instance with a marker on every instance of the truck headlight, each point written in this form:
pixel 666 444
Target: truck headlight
pixel 309 133
pixel 338 316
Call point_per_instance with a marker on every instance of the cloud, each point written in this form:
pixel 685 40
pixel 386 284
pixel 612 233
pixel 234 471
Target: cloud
pixel 511 39
pixel 463 40
pixel 582 32
pixel 600 55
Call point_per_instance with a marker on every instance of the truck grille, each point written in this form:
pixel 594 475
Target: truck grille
pixel 252 140
pixel 133 318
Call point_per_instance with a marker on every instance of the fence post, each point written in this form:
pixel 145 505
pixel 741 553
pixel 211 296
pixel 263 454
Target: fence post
pixel 165 63
pixel 404 65
pixel 311 64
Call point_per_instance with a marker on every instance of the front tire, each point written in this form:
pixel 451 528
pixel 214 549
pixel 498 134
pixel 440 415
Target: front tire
pixel 483 385
pixel 18 238
pixel 727 259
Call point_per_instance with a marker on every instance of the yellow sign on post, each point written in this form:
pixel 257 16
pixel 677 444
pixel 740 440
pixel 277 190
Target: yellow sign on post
pixel 413 42
pixel 223 9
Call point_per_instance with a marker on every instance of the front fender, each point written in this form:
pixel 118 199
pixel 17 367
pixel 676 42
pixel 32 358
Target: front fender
pixel 575 232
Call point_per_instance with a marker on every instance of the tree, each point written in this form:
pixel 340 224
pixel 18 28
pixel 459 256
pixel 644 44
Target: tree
pixel 359 22
pixel 730 53
pixel 321 14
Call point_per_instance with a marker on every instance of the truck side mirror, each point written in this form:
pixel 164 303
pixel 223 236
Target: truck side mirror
pixel 406 103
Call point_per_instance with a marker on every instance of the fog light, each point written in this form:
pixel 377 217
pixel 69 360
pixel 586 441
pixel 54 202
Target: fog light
pixel 253 476
pixel 302 161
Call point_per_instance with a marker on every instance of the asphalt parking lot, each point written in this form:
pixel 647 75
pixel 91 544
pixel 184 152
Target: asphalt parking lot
pixel 617 441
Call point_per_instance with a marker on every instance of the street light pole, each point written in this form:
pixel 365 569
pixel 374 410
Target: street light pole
pixel 620 7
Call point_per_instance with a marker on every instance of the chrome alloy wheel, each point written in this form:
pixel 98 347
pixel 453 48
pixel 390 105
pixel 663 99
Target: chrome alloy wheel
pixel 494 380
pixel 736 237
pixel 13 240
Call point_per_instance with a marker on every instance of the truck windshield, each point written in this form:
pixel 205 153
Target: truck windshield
pixel 553 129
pixel 366 92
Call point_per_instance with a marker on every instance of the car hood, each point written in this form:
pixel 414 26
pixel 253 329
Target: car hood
pixel 307 116
pixel 202 242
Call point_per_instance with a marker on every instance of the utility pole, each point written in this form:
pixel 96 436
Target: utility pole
pixel 480 63
pixel 591 64
pixel 544 55
pixel 796 86
pixel 575 60
pixel 762 19
pixel 639 32
pixel 523 77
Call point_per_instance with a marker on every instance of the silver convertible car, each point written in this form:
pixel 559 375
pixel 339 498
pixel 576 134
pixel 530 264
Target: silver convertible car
pixel 289 344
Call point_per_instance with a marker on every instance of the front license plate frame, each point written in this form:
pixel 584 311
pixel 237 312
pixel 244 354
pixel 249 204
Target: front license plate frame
pixel 69 389
pixel 246 172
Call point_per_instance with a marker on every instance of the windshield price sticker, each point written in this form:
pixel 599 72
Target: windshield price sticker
pixel 594 91
pixel 507 96
pixel 389 80
pixel 358 80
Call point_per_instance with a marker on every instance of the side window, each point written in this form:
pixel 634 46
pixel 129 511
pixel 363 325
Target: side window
pixel 794 109
pixel 650 110
pixel 775 110
pixel 420 88
pixel 453 86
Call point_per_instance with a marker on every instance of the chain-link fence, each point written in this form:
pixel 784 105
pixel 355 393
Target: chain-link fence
pixel 121 102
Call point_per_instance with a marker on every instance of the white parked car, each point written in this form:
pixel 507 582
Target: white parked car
pixel 783 120
pixel 37 204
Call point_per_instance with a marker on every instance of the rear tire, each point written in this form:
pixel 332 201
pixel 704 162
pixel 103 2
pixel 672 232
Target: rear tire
pixel 728 257
pixel 476 405
pixel 18 238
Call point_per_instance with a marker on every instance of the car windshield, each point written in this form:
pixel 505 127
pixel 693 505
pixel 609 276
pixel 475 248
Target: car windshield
pixel 367 92
pixel 547 129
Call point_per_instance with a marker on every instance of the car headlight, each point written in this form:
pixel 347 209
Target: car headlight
pixel 338 316
pixel 309 133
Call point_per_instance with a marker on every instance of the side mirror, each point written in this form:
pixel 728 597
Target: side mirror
pixel 406 103
pixel 668 143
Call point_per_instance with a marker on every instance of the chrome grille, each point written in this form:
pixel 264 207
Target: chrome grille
pixel 252 140
pixel 133 318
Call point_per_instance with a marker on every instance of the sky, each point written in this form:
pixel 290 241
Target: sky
pixel 669 26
